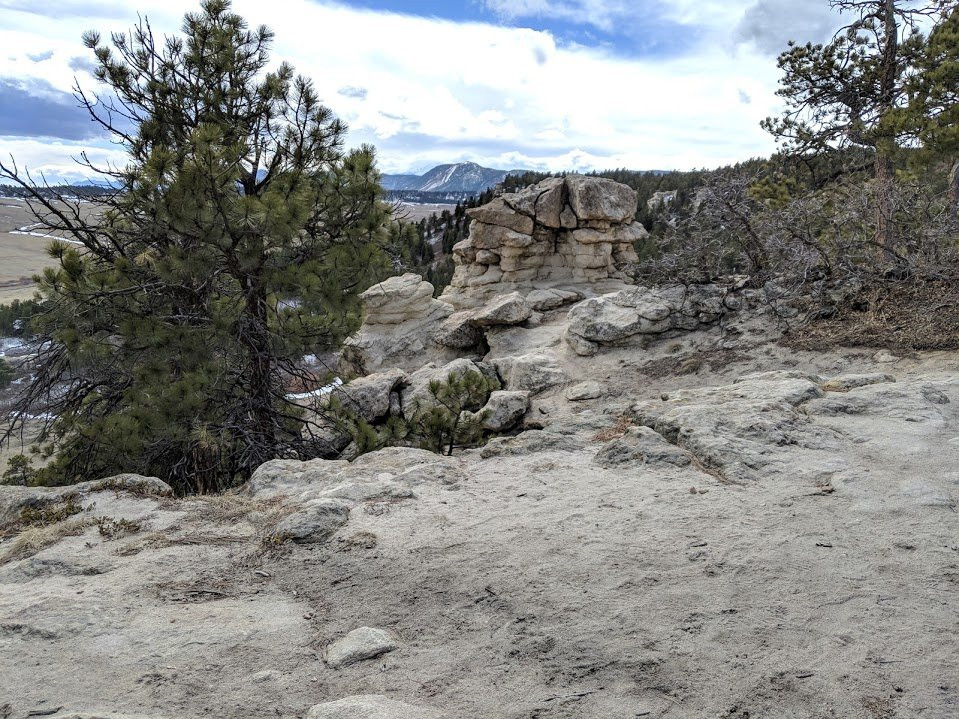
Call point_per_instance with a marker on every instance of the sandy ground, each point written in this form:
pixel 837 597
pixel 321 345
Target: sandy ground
pixel 810 572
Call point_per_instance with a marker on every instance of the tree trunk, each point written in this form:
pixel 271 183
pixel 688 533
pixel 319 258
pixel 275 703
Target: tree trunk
pixel 885 204
pixel 954 190
pixel 257 340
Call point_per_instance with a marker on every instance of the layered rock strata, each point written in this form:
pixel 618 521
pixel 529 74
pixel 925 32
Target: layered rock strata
pixel 575 231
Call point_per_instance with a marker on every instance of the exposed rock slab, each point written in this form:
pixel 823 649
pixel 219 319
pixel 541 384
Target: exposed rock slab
pixel 616 318
pixel 370 706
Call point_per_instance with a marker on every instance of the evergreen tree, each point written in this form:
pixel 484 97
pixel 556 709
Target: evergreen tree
pixel 853 91
pixel 935 92
pixel 237 241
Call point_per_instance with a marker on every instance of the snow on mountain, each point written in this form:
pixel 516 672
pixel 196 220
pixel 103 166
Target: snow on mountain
pixel 458 177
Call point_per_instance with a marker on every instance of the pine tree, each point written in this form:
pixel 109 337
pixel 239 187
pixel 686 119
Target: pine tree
pixel 853 91
pixel 935 104
pixel 237 240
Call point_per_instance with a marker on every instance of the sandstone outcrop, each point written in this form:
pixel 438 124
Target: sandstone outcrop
pixel 571 233
pixel 399 320
pixel 617 317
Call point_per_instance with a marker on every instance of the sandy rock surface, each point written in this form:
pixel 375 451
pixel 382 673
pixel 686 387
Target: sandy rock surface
pixel 732 529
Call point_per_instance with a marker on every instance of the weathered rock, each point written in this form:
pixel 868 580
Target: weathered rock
pixel 417 389
pixel 369 397
pixel 397 332
pixel 550 299
pixel 596 198
pixel 533 373
pixel 533 239
pixel 314 522
pixel 846 382
pixel 506 410
pixel 14 499
pixel 641 445
pixel 615 318
pixel 584 390
pixel 459 332
pixel 530 442
pixel 399 299
pixel 498 213
pixel 369 706
pixel 359 645
pixel 508 309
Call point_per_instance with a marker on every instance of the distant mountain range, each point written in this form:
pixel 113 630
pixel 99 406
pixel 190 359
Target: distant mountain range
pixel 458 177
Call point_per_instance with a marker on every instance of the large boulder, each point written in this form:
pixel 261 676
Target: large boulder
pixel 370 397
pixel 417 391
pixel 533 373
pixel 596 198
pixel 505 409
pixel 510 309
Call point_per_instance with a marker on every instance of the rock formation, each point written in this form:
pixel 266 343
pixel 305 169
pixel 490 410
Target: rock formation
pixel 564 232
pixel 400 317
pixel 689 518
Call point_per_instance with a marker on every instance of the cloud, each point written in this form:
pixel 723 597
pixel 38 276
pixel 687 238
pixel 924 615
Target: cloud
pixel 40 56
pixel 33 108
pixel 357 93
pixel 428 90
pixel 771 24
pixel 82 64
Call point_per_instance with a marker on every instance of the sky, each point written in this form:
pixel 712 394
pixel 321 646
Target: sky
pixel 512 84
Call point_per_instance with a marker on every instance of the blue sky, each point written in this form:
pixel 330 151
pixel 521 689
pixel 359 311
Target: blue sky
pixel 545 84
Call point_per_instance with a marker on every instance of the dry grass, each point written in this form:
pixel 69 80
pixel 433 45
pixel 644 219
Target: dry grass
pixel 623 423
pixel 224 508
pixel 35 539
pixel 899 316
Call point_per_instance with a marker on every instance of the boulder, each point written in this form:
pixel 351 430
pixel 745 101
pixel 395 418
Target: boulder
pixel 369 706
pixel 359 645
pixel 417 389
pixel 584 390
pixel 399 299
pixel 506 410
pixel 508 309
pixel 533 373
pixel 500 214
pixel 459 332
pixel 615 318
pixel 314 522
pixel 369 397
pixel 596 198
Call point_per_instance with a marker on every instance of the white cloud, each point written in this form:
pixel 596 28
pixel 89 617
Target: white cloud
pixel 426 90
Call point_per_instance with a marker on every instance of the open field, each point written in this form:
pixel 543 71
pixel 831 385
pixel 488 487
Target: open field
pixel 23 249
pixel 414 212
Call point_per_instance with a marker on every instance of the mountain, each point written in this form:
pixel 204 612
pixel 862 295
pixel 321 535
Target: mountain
pixel 458 177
